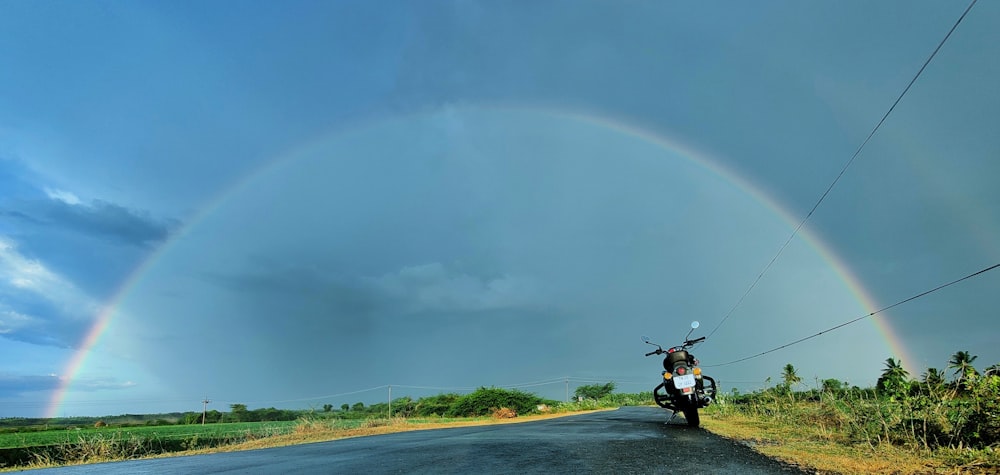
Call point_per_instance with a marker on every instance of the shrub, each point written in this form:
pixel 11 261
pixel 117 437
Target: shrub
pixel 485 400
pixel 594 391
pixel 435 405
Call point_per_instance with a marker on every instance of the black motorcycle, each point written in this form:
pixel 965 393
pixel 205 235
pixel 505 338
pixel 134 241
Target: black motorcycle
pixel 683 388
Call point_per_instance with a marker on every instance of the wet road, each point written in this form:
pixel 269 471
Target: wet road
pixel 627 440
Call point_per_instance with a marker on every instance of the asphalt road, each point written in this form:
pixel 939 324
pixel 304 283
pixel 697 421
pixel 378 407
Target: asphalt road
pixel 627 440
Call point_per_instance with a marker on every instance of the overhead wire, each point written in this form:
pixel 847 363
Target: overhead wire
pixel 800 340
pixel 843 170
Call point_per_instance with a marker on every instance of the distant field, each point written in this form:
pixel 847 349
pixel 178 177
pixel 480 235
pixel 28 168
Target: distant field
pixel 165 432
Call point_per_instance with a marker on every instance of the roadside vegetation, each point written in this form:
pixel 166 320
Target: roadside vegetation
pixel 35 443
pixel 937 423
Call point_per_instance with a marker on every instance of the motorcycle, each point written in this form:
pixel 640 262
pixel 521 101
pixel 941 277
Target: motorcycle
pixel 684 387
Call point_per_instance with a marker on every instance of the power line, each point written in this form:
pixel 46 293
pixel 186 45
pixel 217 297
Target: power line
pixel 800 340
pixel 434 388
pixel 842 171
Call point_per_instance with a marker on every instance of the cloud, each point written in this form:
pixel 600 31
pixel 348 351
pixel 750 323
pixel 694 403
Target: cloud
pixel 23 274
pixel 417 288
pixel 100 384
pixel 49 208
pixel 30 289
pixel 19 215
pixel 105 219
pixel 12 321
pixel 18 384
pixel 434 287
pixel 64 196
pixel 12 385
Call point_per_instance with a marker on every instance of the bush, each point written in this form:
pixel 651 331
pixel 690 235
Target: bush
pixel 484 401
pixel 594 391
pixel 435 405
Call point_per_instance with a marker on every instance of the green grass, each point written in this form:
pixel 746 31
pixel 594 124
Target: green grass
pixel 167 432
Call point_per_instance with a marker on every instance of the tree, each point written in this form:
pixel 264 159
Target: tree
pixel 486 400
pixel 345 407
pixel 993 370
pixel 358 406
pixel 239 412
pixel 961 362
pixel 436 405
pixel 894 379
pixel 933 378
pixel 790 377
pixel 327 407
pixel 594 391
pixel 832 385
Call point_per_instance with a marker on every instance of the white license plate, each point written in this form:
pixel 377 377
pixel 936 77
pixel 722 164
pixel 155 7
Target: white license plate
pixel 685 381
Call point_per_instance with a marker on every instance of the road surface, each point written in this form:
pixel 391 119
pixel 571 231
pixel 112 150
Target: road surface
pixel 627 440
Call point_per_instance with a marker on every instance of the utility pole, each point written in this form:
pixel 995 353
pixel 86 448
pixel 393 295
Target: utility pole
pixel 567 389
pixel 390 401
pixel 204 409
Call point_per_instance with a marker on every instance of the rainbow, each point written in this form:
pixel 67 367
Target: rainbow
pixel 107 312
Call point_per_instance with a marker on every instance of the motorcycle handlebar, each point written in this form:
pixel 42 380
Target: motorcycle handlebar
pixel 696 340
pixel 652 352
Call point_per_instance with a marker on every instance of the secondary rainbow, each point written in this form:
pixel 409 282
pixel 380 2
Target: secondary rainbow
pixel 107 313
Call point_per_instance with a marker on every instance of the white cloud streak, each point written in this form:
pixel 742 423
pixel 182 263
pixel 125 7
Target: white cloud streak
pixel 24 274
pixel 11 321
pixel 64 196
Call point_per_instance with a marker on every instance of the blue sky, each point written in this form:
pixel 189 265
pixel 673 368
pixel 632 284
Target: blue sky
pixel 281 203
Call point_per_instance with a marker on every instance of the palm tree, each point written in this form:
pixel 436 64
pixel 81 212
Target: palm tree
pixel 789 376
pixel 933 378
pixel 993 370
pixel 894 377
pixel 961 362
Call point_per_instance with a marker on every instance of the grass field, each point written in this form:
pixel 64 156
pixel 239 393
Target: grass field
pixel 164 432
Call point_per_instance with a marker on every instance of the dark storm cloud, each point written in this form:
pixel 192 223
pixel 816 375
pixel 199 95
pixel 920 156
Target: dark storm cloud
pixel 420 288
pixel 106 220
pixel 37 321
pixel 433 287
pixel 12 385
pixel 18 384
pixel 285 282
pixel 26 202
pixel 19 215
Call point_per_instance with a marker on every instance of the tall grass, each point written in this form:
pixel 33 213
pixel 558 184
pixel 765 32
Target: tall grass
pixel 959 423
